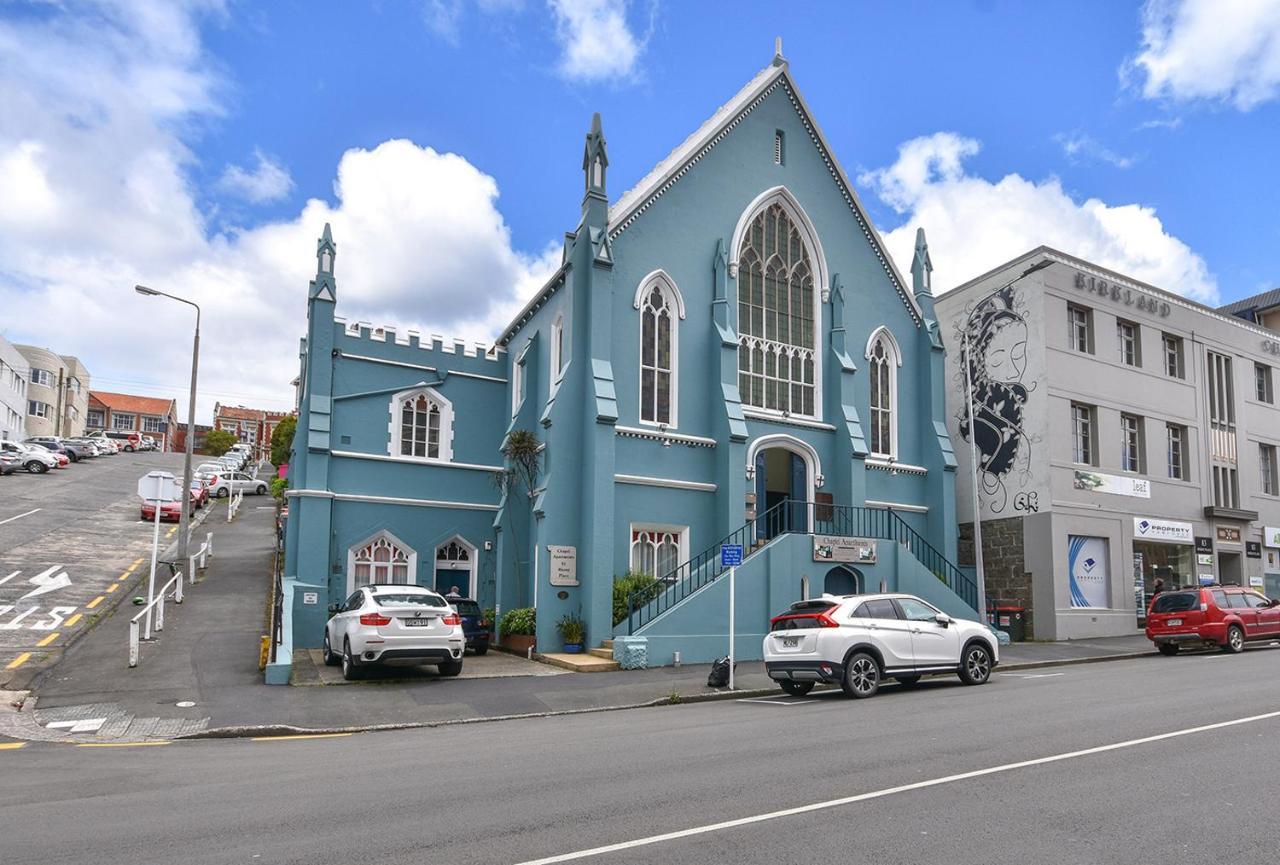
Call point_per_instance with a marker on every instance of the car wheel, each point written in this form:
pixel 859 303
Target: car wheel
pixel 975 666
pixel 128 449
pixel 36 467
pixel 350 669
pixel 1235 640
pixel 330 659
pixel 223 493
pixel 861 676
pixel 480 650
pixel 1168 649
pixel 907 681
pixel 262 489
pixel 449 668
pixel 796 689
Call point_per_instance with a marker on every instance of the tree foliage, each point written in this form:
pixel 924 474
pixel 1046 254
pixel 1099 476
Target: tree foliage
pixel 219 441
pixel 282 440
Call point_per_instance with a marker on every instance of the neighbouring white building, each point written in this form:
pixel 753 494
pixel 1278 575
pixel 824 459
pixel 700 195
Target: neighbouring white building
pixel 14 375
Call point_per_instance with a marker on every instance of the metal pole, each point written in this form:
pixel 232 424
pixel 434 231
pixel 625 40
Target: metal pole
pixel 155 548
pixel 979 570
pixel 184 520
pixel 732 570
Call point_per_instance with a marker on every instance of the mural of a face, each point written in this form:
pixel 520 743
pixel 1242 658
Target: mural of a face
pixel 1006 354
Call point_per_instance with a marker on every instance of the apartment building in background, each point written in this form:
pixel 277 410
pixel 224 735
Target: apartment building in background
pixel 146 415
pixel 1122 433
pixel 251 425
pixel 14 375
pixel 57 393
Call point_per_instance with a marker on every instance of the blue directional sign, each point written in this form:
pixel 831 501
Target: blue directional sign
pixel 730 555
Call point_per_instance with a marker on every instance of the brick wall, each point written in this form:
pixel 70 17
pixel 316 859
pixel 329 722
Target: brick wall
pixel 1004 563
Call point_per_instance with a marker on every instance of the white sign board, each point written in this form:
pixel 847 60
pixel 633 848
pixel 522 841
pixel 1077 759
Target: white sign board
pixel 1256 582
pixel 159 487
pixel 1271 536
pixel 310 597
pixel 1087 572
pixel 1154 529
pixel 1117 485
pixel 833 548
pixel 564 565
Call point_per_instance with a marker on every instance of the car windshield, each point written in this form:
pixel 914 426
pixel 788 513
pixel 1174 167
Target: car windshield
pixel 467 608
pixel 408 599
pixel 1176 602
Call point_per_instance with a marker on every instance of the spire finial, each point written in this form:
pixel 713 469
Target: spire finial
pixel 323 286
pixel 921 266
pixel 595 158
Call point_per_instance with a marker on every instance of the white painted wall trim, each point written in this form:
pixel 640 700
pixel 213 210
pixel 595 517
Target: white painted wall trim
pixel 655 435
pixel 891 466
pixel 897 506
pixel 415 461
pixel 779 417
pixel 669 285
pixel 406 365
pixel 389 500
pixel 641 480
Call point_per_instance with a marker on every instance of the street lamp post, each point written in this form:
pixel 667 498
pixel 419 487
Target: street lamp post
pixel 184 517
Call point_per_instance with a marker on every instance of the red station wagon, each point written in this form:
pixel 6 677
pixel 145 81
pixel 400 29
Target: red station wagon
pixel 1224 616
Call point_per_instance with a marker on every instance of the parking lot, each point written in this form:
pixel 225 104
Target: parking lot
pixel 71 547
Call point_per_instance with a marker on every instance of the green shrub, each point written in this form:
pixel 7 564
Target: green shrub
pixel 644 586
pixel 519 621
pixel 572 629
pixel 278 486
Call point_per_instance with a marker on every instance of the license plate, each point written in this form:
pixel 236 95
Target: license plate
pixel 790 642
pixel 418 623
pixel 1173 623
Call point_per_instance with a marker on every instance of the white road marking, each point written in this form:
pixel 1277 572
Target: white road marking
pixel 84 725
pixel 20 516
pixel 889 791
pixel 46 581
pixel 1032 675
pixel 10 577
pixel 774 702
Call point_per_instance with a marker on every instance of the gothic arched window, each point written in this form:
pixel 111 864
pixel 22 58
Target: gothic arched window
pixel 421 425
pixel 884 359
pixel 658 302
pixel 776 357
pixel 381 560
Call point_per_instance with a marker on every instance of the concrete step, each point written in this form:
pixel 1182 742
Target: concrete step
pixel 607 654
pixel 606 644
pixel 577 663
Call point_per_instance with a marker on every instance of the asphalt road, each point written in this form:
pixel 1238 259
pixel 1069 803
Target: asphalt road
pixel 522 791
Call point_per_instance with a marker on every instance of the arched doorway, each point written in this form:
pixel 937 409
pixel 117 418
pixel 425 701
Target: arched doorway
pixel 785 469
pixel 455 567
pixel 842 581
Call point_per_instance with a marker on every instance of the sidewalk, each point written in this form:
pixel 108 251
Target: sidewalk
pixel 208 655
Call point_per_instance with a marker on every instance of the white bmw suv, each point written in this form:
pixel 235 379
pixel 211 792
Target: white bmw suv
pixel 860 640
pixel 382 624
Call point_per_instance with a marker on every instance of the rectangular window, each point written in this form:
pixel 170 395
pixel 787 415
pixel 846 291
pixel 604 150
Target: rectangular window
pixel 93 420
pixel 1131 450
pixel 1267 465
pixel 779 147
pixel 152 424
pixel 1082 431
pixel 124 421
pixel 1174 366
pixel 1262 383
pixel 659 551
pixel 1222 408
pixel 1226 487
pixel 1130 343
pixel 1177 439
pixel 41 376
pixel 557 351
pixel 35 408
pixel 517 387
pixel 1080 328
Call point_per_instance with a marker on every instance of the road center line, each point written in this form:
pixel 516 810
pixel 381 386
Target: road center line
pixel 888 791
pixel 20 516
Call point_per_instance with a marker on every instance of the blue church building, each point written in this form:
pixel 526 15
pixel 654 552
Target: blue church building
pixel 726 354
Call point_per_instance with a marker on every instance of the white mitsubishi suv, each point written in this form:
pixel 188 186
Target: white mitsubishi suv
pixel 860 640
pixel 382 624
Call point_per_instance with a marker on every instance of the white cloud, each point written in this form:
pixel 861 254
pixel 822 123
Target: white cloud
pixel 98 198
pixel 1080 147
pixel 266 181
pixel 595 40
pixel 1210 49
pixel 975 224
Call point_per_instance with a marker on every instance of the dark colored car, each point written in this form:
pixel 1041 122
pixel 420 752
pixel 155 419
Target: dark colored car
pixel 474 625
pixel 1224 616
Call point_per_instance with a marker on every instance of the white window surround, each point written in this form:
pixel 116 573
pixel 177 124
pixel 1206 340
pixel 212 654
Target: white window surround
pixel 517 385
pixel 446 425
pixel 469 564
pixel 557 364
pixel 809 235
pixel 680 535
pixel 894 355
pixel 661 280
pixel 411 556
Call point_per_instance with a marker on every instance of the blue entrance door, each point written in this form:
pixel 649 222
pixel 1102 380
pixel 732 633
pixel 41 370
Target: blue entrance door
pixel 842 581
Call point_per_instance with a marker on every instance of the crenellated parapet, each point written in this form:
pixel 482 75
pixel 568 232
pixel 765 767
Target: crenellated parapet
pixel 410 346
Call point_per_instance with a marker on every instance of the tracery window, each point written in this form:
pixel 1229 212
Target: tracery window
pixel 883 358
pixel 381 561
pixel 655 551
pixel 657 356
pixel 776 358
pixel 419 427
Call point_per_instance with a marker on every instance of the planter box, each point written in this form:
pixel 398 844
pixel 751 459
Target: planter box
pixel 521 643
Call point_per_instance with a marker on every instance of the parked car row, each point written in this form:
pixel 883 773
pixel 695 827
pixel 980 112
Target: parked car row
pixel 233 472
pixel 128 441
pixel 39 454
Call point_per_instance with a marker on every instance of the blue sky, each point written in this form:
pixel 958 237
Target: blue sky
pixel 200 146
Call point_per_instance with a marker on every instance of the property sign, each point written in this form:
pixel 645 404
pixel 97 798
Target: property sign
pixel 730 555
pixel 1271 536
pixel 1256 582
pixel 1087 572
pixel 1228 534
pixel 159 487
pixel 1154 529
pixel 564 565
pixel 833 548
pixel 1204 559
pixel 1207 579
pixel 1252 549
pixel 1116 485
pixel 1203 544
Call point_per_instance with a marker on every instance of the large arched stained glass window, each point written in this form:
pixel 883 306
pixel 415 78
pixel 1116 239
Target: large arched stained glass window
pixel 656 357
pixel 776 316
pixel 882 375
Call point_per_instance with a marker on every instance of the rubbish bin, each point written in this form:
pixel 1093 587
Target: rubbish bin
pixel 1012 619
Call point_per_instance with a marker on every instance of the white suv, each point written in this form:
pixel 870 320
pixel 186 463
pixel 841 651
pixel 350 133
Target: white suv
pixel 859 640
pixel 394 623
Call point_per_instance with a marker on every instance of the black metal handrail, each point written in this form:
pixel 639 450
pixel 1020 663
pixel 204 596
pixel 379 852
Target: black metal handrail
pixel 789 517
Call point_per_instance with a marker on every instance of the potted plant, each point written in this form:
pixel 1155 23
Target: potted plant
pixel 518 628
pixel 573 632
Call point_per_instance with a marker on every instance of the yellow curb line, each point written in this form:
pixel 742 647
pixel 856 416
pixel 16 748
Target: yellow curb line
pixel 49 639
pixel 111 588
pixel 300 736
pixel 136 562
pixel 19 661
pixel 94 602
pixel 71 621
pixel 118 744
pixel 12 746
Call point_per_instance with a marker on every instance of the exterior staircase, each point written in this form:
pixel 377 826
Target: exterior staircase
pixel 592 661
pixel 604 651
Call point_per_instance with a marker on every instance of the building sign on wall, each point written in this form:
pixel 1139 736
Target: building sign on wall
pixel 1271 536
pixel 1118 293
pixel 832 548
pixel 1203 544
pixel 1252 550
pixel 1229 534
pixel 1204 559
pixel 1117 485
pixel 1270 346
pixel 564 565
pixel 1087 572
pixel 1152 529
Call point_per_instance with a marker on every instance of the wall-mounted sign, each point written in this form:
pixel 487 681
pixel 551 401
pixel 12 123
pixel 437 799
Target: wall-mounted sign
pixel 1153 529
pixel 1207 579
pixel 1204 559
pixel 310 597
pixel 1270 346
pixel 1229 534
pixel 564 565
pixel 1117 485
pixel 833 548
pixel 1271 536
pixel 1087 572
pixel 1252 550
pixel 1256 582
pixel 1203 544
pixel 1120 294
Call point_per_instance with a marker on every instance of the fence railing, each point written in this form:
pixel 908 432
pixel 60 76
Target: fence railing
pixel 199 560
pixel 233 505
pixel 135 624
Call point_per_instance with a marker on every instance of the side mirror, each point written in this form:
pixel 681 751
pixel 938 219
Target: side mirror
pixel 333 609
pixel 943 619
